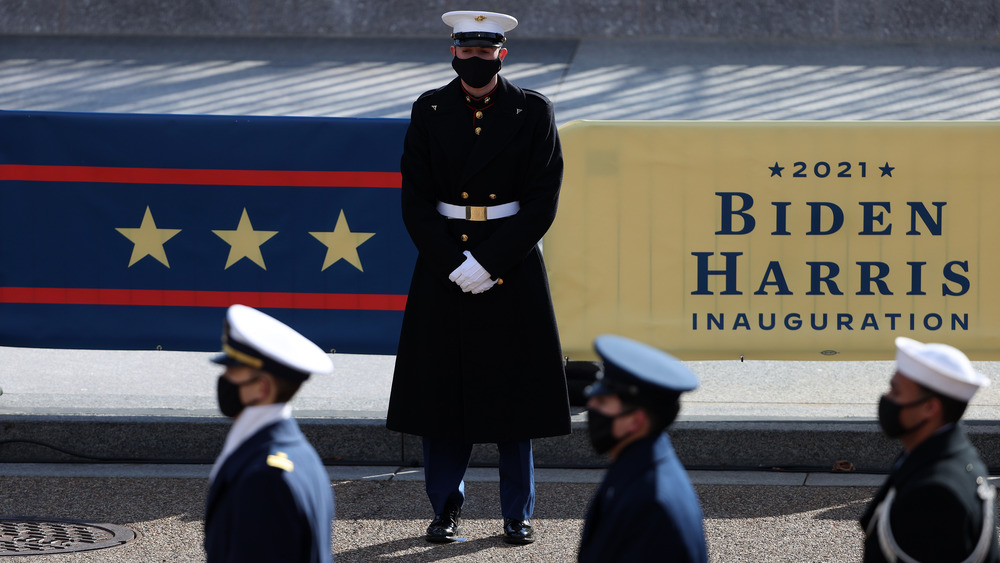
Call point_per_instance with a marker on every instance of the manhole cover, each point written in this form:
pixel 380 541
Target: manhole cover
pixel 30 536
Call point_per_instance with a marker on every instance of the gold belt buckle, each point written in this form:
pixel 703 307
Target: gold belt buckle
pixel 475 213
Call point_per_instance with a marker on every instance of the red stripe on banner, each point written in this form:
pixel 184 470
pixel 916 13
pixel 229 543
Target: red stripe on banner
pixel 180 298
pixel 191 176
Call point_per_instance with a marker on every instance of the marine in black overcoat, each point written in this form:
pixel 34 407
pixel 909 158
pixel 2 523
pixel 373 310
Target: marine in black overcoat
pixel 271 501
pixel 480 367
pixel 941 506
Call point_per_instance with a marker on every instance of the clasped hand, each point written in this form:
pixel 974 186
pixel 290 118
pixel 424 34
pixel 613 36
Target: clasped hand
pixel 471 276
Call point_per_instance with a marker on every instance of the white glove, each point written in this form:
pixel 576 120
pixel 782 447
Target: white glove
pixel 485 286
pixel 470 274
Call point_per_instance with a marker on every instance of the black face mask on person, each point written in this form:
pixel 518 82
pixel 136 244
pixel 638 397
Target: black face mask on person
pixel 600 429
pixel 888 416
pixel 228 395
pixel 476 72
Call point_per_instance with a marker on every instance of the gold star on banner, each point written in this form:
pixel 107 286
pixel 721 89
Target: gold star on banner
pixel 342 243
pixel 245 242
pixel 148 240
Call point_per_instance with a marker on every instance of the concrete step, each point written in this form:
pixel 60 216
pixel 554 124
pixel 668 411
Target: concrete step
pixel 160 406
pixel 791 445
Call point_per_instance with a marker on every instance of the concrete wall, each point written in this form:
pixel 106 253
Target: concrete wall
pixel 840 20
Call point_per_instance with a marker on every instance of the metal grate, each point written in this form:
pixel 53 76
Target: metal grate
pixel 24 536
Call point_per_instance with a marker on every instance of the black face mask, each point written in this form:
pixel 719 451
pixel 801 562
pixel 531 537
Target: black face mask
pixel 599 427
pixel 228 394
pixel 476 72
pixel 888 416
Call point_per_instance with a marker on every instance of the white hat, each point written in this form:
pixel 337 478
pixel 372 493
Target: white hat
pixel 479 29
pixel 939 367
pixel 257 340
pixel 632 368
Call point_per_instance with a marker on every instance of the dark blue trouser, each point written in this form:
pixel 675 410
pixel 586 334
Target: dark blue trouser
pixel 445 462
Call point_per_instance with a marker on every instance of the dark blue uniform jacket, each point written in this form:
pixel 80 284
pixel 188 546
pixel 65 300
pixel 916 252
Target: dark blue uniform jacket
pixel 645 510
pixel 270 501
pixel 941 507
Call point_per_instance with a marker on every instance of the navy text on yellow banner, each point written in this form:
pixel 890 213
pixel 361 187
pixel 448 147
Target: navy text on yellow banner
pixel 136 231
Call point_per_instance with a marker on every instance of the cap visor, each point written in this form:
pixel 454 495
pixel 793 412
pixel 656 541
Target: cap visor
pixel 597 389
pixel 476 43
pixel 224 360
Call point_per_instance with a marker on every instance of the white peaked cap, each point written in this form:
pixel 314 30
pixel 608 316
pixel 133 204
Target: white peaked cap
pixel 485 22
pixel 939 367
pixel 261 341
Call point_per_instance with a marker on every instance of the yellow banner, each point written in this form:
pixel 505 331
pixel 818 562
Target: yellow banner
pixel 779 240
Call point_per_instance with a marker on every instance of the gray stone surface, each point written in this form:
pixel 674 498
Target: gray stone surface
pixel 31 16
pixel 163 17
pixel 769 19
pixel 844 20
pixel 945 20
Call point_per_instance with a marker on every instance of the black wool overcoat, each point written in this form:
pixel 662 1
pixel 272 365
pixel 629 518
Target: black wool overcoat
pixel 480 367
pixel 937 508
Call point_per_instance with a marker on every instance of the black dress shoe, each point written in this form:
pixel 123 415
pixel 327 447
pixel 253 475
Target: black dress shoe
pixel 518 532
pixel 446 526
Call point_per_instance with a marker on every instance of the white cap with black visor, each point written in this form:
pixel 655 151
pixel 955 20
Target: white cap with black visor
pixel 479 29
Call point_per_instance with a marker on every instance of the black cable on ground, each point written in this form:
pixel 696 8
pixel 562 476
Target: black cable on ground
pixel 100 459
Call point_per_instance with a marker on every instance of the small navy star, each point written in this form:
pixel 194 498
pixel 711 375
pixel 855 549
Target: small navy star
pixel 776 170
pixel 886 170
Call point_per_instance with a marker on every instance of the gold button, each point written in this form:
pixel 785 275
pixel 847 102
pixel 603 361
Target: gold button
pixel 479 115
pixel 499 281
pixel 465 195
pixel 487 100
pixel 468 99
pixel 479 130
pixel 465 238
pixel 493 196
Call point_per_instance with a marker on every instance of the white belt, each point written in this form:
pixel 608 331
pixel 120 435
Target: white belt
pixel 477 212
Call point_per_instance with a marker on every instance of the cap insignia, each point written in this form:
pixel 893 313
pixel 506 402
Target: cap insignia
pixel 480 18
pixel 281 461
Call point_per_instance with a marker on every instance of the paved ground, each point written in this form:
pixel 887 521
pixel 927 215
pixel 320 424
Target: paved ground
pixel 381 515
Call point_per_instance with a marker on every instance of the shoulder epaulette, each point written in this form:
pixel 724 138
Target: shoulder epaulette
pixel 281 461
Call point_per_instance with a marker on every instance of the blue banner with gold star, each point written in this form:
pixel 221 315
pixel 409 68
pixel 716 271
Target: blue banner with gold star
pixel 136 231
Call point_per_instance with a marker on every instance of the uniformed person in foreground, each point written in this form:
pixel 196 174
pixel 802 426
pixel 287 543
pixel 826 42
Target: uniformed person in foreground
pixel 645 509
pixel 937 504
pixel 479 359
pixel 270 497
